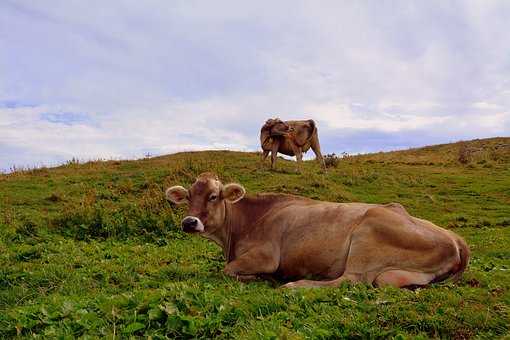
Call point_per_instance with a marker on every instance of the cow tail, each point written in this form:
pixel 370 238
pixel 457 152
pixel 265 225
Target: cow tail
pixel 464 258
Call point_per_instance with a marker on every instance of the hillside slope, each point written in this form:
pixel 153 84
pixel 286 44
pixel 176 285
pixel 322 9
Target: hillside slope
pixel 478 151
pixel 94 249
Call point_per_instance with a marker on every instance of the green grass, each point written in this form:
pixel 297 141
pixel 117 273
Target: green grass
pixel 93 250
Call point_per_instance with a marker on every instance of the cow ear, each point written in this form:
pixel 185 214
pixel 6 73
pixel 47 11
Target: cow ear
pixel 177 194
pixel 269 123
pixel 233 192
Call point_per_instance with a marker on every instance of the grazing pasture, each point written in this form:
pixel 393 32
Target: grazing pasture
pixel 95 250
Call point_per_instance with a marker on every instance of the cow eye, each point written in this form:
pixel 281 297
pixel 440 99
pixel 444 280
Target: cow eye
pixel 213 197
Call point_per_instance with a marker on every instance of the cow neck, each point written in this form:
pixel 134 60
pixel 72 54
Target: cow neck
pixel 231 229
pixel 265 140
pixel 242 217
pixel 227 250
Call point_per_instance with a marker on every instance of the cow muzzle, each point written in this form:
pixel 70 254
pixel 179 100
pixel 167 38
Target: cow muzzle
pixel 192 224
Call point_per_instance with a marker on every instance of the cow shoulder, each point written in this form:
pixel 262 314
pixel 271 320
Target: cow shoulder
pixel 303 131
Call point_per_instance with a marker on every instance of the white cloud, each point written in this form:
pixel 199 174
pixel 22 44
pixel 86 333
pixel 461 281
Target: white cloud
pixel 172 76
pixel 486 106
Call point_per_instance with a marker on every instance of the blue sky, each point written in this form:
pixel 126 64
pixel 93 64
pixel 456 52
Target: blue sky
pixel 120 79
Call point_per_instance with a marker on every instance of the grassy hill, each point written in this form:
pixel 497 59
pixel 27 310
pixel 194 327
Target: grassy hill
pixel 94 249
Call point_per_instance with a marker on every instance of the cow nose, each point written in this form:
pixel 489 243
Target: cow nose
pixel 189 223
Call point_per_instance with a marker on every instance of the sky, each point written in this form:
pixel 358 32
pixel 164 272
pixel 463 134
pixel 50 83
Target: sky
pixel 123 79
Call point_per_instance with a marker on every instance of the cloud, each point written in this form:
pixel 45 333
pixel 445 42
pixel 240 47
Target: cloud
pixel 486 106
pixel 111 80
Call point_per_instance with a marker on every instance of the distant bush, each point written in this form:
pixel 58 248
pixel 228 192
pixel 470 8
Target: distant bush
pixel 464 155
pixel 331 160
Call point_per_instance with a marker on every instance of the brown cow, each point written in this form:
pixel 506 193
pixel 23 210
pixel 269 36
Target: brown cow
pixel 289 237
pixel 291 138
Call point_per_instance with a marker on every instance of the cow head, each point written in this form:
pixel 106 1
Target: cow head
pixel 276 126
pixel 206 200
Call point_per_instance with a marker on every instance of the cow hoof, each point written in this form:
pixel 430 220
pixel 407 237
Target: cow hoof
pixel 296 284
pixel 289 285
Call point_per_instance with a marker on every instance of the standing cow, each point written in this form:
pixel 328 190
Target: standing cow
pixel 291 138
pixel 290 237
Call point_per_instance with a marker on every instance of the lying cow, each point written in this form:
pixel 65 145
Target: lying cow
pixel 289 237
pixel 291 138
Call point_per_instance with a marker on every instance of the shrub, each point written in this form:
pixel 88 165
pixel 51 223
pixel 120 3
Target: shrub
pixel 464 155
pixel 331 160
pixel 150 216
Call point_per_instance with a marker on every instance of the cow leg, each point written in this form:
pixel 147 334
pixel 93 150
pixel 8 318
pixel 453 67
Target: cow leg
pixel 396 278
pixel 261 260
pixel 299 158
pixel 265 153
pixel 315 284
pixel 274 154
pixel 393 262
pixel 298 152
pixel 317 150
pixel 273 159
pixel 403 278
pixel 380 254
pixel 245 278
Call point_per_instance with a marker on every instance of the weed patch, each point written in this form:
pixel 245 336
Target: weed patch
pixel 100 221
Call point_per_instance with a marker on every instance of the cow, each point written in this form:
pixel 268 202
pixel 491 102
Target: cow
pixel 291 138
pixel 291 238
